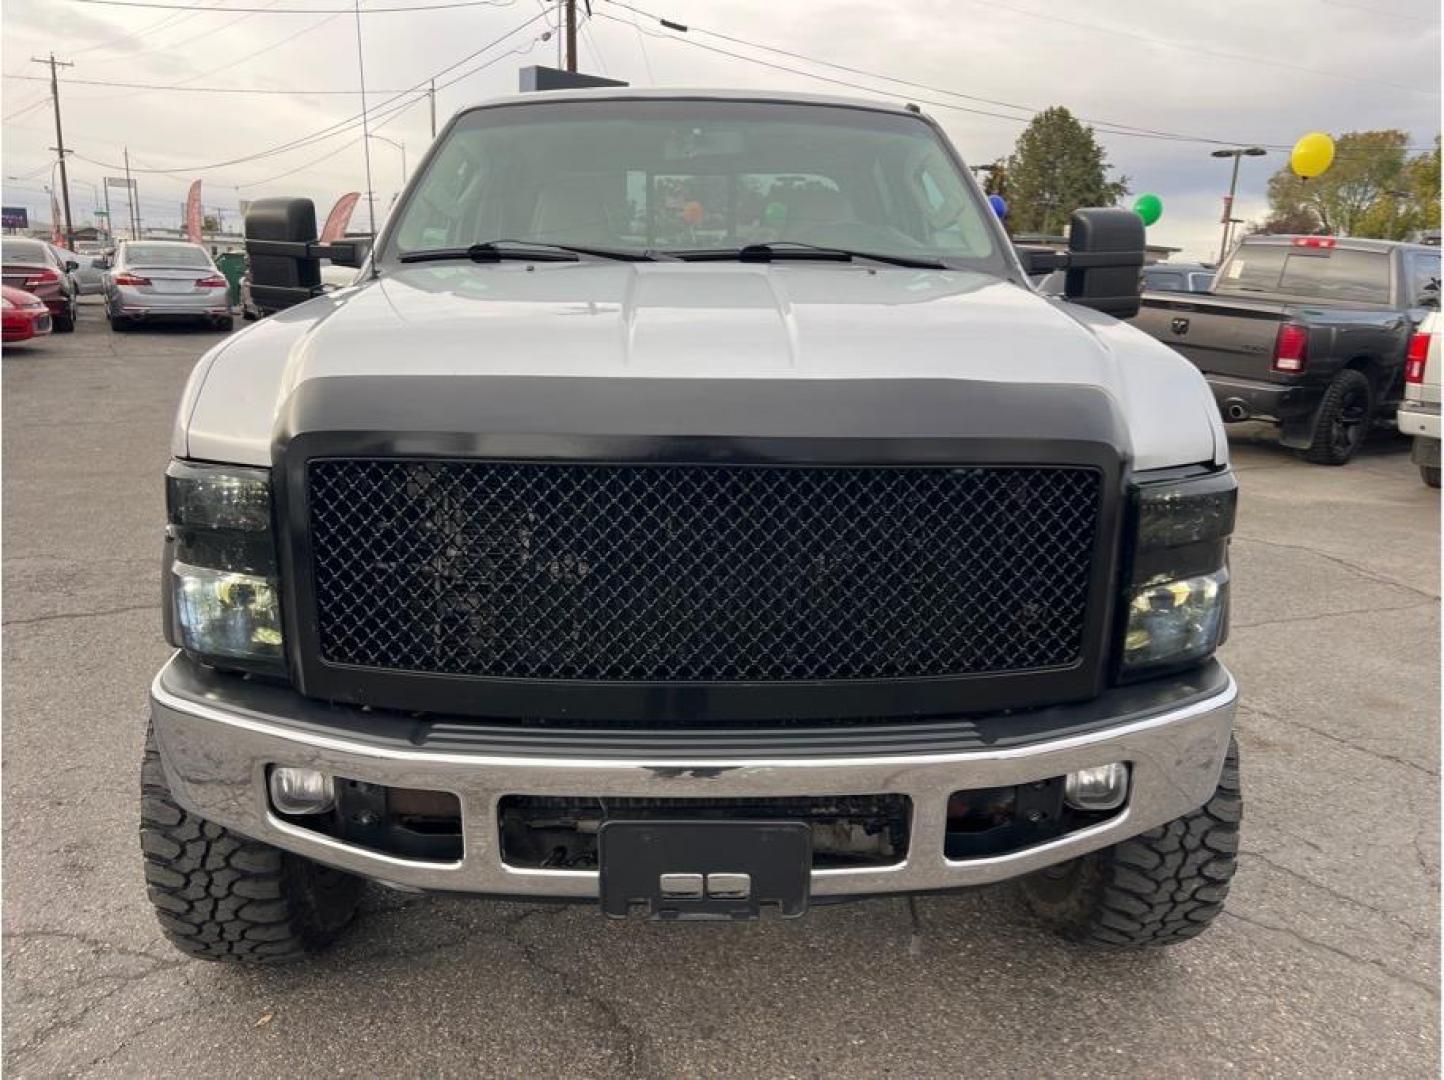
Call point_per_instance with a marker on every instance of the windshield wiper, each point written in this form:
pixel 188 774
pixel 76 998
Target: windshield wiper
pixel 530 250
pixel 795 249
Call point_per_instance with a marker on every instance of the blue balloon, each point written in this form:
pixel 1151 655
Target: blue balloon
pixel 1000 207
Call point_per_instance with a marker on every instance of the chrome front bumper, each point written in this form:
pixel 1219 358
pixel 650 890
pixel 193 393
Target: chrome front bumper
pixel 217 746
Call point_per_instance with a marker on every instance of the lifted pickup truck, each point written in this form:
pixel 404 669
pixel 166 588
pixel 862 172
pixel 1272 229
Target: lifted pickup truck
pixel 1307 331
pixel 691 510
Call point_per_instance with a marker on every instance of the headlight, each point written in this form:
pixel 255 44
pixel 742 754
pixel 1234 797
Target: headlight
pixel 229 615
pixel 1176 622
pixel 223 597
pixel 1178 593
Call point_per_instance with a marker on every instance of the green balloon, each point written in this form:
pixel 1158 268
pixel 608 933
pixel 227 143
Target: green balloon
pixel 1149 208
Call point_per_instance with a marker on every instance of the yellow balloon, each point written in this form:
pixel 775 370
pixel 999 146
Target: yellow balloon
pixel 1312 155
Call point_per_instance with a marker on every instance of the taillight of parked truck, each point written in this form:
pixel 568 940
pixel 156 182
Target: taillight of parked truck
pixel 1416 359
pixel 1291 348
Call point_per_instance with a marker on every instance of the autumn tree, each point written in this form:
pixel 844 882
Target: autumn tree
pixel 1056 167
pixel 1372 189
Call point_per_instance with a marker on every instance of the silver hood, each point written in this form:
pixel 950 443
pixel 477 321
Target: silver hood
pixel 694 321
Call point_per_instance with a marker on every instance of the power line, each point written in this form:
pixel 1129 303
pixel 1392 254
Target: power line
pixel 195 89
pixel 27 108
pixel 442 5
pixel 148 28
pixel 1031 110
pixel 351 121
pixel 1108 127
pixel 270 46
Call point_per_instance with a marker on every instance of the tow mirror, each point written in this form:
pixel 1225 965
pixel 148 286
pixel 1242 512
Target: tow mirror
pixel 1105 261
pixel 1039 260
pixel 284 257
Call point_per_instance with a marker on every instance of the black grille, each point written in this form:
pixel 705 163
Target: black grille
pixel 700 573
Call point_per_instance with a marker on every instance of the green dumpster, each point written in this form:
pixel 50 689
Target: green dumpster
pixel 233 265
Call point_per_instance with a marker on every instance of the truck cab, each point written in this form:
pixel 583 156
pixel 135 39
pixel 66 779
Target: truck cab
pixel 691 510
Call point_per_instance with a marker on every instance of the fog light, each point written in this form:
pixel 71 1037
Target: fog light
pixel 1103 787
pixel 301 791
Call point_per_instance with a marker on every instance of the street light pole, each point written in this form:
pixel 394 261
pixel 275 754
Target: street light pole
pixel 1247 151
pixel 400 146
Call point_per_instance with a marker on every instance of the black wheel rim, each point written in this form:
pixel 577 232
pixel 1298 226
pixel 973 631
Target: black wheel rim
pixel 1347 429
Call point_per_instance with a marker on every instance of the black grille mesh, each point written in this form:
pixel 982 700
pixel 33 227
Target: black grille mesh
pixel 698 573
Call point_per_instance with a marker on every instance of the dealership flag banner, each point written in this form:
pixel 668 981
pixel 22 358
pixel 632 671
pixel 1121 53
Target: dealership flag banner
pixel 57 233
pixel 339 217
pixel 193 213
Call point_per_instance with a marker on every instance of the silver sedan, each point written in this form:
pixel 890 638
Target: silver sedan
pixel 164 280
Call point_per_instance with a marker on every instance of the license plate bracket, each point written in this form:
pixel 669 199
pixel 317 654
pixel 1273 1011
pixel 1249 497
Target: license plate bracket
pixel 704 870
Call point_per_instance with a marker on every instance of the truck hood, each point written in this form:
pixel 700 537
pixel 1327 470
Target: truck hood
pixel 728 321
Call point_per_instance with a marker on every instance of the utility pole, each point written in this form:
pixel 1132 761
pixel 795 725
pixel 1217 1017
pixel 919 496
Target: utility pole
pixel 1249 151
pixel 133 203
pixel 59 146
pixel 571 34
pixel 432 95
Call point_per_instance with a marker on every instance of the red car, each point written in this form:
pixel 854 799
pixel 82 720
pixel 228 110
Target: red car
pixel 32 265
pixel 22 316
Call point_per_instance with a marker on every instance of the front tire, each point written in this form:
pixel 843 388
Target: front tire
pixel 1430 475
pixel 1345 415
pixel 222 896
pixel 1159 888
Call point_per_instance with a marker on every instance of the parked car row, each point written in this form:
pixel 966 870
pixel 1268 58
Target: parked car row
pixel 36 268
pixel 141 281
pixel 22 315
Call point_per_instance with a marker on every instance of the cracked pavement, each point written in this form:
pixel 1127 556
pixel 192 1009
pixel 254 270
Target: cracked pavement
pixel 1325 964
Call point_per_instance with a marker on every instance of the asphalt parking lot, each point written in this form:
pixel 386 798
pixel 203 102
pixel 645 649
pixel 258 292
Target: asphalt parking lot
pixel 1325 964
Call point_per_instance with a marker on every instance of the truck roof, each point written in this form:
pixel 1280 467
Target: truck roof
pixel 631 93
pixel 1357 243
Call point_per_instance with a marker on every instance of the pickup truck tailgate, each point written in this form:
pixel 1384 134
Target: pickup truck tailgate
pixel 1221 336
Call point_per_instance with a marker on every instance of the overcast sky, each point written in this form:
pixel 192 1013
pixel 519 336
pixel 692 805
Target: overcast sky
pixel 1237 70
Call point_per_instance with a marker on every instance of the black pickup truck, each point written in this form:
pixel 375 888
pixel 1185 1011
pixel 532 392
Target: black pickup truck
pixel 1309 332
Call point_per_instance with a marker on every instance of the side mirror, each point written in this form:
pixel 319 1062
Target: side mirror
pixel 279 235
pixel 350 252
pixel 71 266
pixel 1105 258
pixel 1040 260
pixel 284 256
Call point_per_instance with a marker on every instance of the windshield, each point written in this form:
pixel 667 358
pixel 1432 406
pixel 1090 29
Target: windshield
pixel 166 255
pixel 687 175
